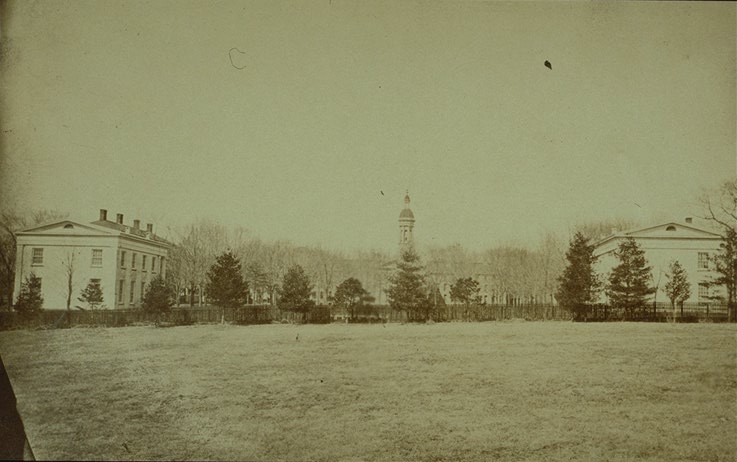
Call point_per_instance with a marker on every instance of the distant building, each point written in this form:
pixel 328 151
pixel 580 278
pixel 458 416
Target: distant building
pixel 121 259
pixel 406 225
pixel 691 246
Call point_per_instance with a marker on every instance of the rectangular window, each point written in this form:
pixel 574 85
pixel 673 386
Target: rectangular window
pixel 703 261
pixel 120 291
pixel 703 292
pixel 122 259
pixel 133 290
pixel 143 289
pixel 96 257
pixel 38 256
pixel 153 263
pixel 133 261
pixel 143 263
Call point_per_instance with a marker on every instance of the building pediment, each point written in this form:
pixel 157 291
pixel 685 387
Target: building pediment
pixel 69 228
pixel 666 232
pixel 672 230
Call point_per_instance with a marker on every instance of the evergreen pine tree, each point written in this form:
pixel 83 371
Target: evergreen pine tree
pixel 465 291
pixel 91 295
pixel 350 295
pixel 225 284
pixel 294 294
pixel 407 291
pixel 629 281
pixel 677 288
pixel 579 283
pixel 30 300
pixel 159 296
pixel 725 265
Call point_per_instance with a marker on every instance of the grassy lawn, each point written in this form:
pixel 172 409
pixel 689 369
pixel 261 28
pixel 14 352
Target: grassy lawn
pixel 507 391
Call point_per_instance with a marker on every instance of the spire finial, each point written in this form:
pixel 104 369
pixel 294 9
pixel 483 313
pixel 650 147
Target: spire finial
pixel 406 198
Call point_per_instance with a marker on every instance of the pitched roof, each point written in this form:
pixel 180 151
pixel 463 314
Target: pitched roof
pixel 669 230
pixel 97 228
pixel 67 227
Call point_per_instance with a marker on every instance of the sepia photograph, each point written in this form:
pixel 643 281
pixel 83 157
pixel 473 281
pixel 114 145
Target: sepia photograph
pixel 381 231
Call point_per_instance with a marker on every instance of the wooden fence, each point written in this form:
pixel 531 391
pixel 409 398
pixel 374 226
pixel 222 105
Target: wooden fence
pixel 449 313
pixel 264 314
pixel 656 312
pixel 177 316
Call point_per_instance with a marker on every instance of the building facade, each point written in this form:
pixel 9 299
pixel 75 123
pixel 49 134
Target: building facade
pixel 692 247
pixel 121 259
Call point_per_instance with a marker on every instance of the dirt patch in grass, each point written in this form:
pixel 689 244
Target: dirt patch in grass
pixel 464 391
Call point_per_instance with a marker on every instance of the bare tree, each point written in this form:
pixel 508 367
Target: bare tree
pixel 69 267
pixel 551 254
pixel 369 267
pixel 720 207
pixel 276 256
pixel 198 245
pixel 329 263
pixel 9 223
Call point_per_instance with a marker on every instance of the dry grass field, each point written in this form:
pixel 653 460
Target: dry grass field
pixel 504 391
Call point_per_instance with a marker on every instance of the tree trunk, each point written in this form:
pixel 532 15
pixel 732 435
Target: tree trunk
pixel 69 300
pixel 673 304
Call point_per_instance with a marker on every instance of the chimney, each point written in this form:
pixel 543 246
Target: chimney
pixel 103 215
pixel 119 218
pixel 136 224
pixel 689 220
pixel 149 227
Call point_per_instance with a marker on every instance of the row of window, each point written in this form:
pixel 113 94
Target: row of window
pixel 144 261
pixel 38 257
pixel 131 299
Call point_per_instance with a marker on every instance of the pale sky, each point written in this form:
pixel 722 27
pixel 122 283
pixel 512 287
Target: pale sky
pixel 143 109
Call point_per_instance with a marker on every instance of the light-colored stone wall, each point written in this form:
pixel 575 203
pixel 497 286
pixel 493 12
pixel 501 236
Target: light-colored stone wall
pixel 129 276
pixel 59 249
pixel 659 254
pixel 58 252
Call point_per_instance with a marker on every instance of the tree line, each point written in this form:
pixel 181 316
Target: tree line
pixel 546 272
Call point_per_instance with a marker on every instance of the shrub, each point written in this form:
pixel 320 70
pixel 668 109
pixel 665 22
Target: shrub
pixel 159 297
pixel 30 300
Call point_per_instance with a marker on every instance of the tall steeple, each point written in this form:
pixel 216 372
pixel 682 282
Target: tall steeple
pixel 406 224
